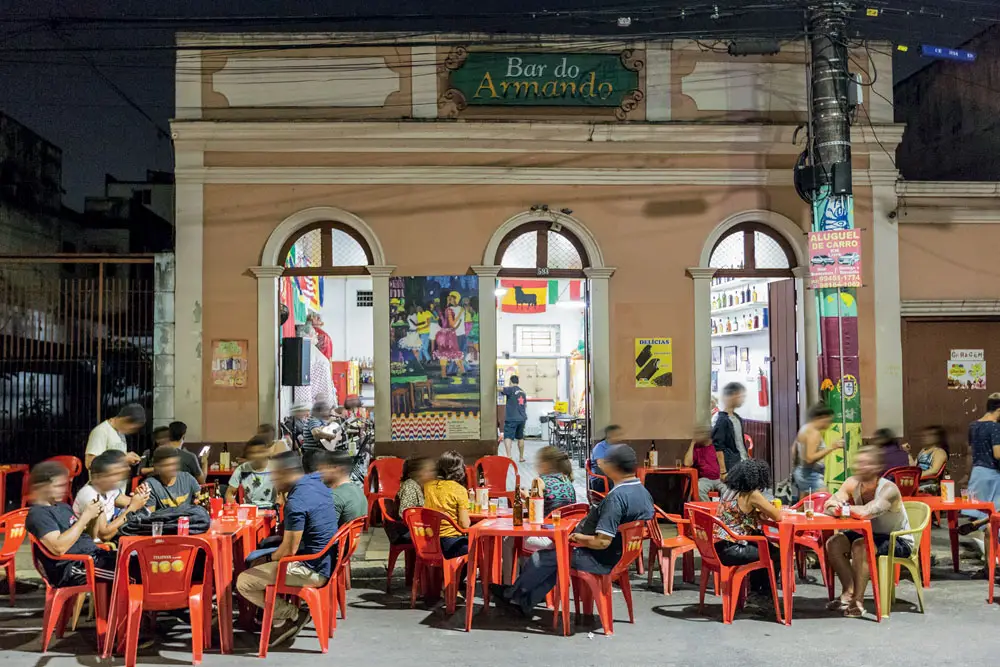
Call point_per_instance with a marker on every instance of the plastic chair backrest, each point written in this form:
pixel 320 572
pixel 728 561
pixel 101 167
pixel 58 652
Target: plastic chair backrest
pixel 919 515
pixel 907 478
pixel 703 529
pixel 72 464
pixel 13 531
pixel 633 534
pixel 494 471
pixel 390 511
pixel 166 564
pixel 353 529
pixel 38 549
pixel 819 500
pixel 425 532
pixel 748 444
pixel 570 511
pixel 384 476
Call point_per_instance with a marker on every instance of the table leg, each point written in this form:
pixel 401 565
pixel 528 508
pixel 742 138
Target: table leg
pixel 497 562
pixel 562 563
pixel 694 486
pixel 925 557
pixel 470 580
pixel 873 573
pixel 224 588
pixel 786 539
pixel 486 568
pixel 953 533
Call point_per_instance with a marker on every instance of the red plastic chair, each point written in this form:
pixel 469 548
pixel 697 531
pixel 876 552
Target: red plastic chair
pixel 907 478
pixel 57 611
pixel 666 551
pixel 167 568
pixel 590 476
pixel 382 481
pixel 493 471
pixel 811 540
pixel 390 519
pixel 589 587
pixel 319 598
pixel 425 531
pixel 733 578
pixel 748 444
pixel 993 553
pixel 342 568
pixel 13 532
pixel 74 467
pixel 470 477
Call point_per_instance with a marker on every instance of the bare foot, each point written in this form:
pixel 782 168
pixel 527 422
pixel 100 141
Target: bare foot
pixel 854 609
pixel 838 604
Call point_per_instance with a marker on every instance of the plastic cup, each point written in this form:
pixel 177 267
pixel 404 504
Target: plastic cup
pixel 494 506
pixel 678 463
pixel 808 508
pixel 157 528
pixel 965 495
pixel 243 514
pixel 556 517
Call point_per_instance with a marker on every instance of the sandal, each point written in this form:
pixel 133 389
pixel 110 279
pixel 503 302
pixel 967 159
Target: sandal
pixel 967 528
pixel 854 610
pixel 836 604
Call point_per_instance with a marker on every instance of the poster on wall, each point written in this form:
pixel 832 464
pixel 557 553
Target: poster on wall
pixel 229 363
pixel 835 258
pixel 967 369
pixel 654 362
pixel 434 358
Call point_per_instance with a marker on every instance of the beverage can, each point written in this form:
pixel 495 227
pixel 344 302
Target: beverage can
pixel 845 511
pixel 184 526
pixel 948 490
pixel 536 511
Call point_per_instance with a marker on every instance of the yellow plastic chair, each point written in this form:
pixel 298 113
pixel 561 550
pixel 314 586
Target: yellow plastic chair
pixel 919 515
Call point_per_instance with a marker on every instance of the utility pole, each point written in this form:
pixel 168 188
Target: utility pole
pixel 828 184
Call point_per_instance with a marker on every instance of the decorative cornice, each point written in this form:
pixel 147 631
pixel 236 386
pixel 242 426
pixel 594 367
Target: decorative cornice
pixel 486 271
pixel 948 189
pixel 945 214
pixel 380 271
pixel 267 271
pixel 700 272
pixel 476 175
pixel 603 273
pixel 949 307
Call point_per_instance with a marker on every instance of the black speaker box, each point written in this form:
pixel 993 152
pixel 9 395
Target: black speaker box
pixel 295 362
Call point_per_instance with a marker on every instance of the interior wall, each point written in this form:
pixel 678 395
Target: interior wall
pixel 569 320
pixel 348 325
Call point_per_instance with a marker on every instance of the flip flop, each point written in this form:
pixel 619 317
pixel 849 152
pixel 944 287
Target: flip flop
pixel 836 605
pixel 967 528
pixel 854 611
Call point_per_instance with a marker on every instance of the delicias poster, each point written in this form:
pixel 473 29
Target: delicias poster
pixel 654 362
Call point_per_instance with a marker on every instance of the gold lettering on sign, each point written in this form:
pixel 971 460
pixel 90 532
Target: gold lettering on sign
pixel 487 83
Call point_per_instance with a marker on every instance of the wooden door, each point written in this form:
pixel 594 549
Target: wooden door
pixel 927 400
pixel 784 380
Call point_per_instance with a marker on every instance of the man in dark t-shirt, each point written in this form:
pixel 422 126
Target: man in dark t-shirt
pixel 515 416
pixel 597 538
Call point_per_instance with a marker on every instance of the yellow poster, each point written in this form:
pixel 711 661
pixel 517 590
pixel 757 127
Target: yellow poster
pixel 654 362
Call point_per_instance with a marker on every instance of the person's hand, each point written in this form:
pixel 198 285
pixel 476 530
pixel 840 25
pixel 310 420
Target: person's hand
pixel 132 458
pixel 91 511
pixel 905 447
pixel 139 499
pixel 722 476
pixel 837 445
pixel 575 538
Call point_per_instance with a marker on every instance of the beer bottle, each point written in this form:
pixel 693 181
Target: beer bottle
pixel 518 504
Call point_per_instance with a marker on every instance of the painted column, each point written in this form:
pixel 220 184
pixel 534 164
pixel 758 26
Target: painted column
pixel 487 351
pixel 380 321
pixel 164 275
pixel 189 259
pixel 267 342
pixel 600 349
pixel 888 333
pixel 702 278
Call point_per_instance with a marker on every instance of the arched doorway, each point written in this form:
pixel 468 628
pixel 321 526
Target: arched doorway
pixel 323 275
pixel 751 283
pixel 541 273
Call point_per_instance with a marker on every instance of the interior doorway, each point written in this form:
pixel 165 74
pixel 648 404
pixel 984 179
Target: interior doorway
pixel 543 334
pixel 754 341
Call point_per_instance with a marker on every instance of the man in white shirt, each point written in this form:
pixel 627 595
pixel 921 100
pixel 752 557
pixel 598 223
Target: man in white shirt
pixel 320 387
pixel 110 434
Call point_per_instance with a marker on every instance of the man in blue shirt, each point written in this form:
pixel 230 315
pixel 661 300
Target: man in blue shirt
pixel 515 416
pixel 612 437
pixel 597 538
pixel 310 524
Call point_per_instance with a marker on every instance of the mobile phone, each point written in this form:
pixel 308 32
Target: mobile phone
pixel 205 450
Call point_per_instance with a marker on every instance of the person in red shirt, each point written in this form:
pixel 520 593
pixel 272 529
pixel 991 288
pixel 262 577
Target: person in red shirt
pixel 323 340
pixel 701 456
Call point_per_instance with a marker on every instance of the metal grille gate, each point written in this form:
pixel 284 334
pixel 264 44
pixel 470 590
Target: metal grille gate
pixel 76 343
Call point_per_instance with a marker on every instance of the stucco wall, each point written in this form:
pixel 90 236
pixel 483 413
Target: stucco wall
pixel 948 261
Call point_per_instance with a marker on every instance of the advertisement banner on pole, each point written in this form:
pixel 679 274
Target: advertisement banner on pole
pixel 835 258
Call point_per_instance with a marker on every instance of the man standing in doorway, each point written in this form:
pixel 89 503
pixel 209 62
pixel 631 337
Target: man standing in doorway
pixel 110 434
pixel 514 417
pixel 727 433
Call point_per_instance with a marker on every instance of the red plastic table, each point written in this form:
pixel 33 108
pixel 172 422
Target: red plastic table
pixel 795 522
pixel 692 473
pixel 13 469
pixel 937 504
pixel 485 543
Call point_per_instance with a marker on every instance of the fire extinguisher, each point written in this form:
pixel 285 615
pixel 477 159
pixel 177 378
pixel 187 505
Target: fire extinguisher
pixel 762 392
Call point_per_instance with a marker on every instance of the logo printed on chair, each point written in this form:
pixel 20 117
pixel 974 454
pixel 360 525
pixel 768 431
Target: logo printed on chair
pixel 16 531
pixel 700 532
pixel 165 564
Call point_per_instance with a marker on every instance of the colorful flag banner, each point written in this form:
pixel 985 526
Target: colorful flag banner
pixel 524 296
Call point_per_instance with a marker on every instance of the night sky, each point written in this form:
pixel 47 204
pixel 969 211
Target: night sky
pixel 58 93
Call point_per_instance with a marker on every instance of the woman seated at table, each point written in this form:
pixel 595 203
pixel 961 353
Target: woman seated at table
pixel 447 495
pixel 873 497
pixel 741 508
pixel 417 471
pixel 931 458
pixel 555 470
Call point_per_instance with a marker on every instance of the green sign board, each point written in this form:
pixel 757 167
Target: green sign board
pixel 546 79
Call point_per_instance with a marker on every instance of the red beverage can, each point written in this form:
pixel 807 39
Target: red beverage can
pixel 216 507
pixel 184 526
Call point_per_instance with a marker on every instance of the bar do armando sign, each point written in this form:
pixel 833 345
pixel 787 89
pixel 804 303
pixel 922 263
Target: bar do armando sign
pixel 478 78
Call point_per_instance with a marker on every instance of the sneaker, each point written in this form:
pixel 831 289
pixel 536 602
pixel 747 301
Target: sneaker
pixel 287 630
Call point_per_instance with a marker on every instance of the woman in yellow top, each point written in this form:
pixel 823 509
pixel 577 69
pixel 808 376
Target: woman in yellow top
pixel 447 495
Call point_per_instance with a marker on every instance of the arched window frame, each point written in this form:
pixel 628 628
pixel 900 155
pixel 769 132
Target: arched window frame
pixel 326 267
pixel 541 269
pixel 750 269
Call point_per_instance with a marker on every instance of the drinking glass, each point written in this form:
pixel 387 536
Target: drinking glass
pixel 157 528
pixel 494 506
pixel 809 508
pixel 965 495
pixel 556 517
pixel 243 514
pixel 678 463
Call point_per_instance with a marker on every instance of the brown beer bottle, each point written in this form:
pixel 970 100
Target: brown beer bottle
pixel 518 504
